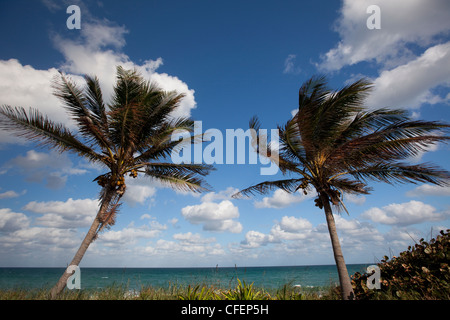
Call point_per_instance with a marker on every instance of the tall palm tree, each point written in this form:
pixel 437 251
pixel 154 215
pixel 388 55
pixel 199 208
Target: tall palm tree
pixel 130 136
pixel 334 145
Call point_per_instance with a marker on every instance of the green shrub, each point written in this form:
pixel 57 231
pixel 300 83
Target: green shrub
pixel 421 272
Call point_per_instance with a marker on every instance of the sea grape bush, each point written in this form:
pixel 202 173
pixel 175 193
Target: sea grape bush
pixel 421 272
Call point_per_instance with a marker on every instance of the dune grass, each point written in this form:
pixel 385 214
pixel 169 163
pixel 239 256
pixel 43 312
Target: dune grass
pixel 242 291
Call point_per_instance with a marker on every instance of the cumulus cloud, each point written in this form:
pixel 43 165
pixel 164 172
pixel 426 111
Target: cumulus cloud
pixel 429 190
pixel 289 228
pixel 295 235
pixel 410 85
pixel 186 243
pixel 97 51
pixel 254 239
pixel 64 214
pixel 281 199
pixel 12 221
pixel 11 194
pixel 39 241
pixel 214 216
pixel 402 23
pixel 359 200
pixel 139 191
pixel 23 85
pixel 293 224
pixel 130 235
pixel 406 80
pixel 221 195
pixel 404 214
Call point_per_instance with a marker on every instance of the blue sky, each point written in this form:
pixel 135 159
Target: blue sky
pixel 232 59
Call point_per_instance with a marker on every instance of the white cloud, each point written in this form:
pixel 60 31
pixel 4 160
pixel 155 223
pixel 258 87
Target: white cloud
pixel 39 240
pixel 405 80
pixel 409 85
pixel 27 87
pixel 293 224
pixel 64 214
pixel 429 190
pixel 402 23
pixel 130 235
pixel 214 216
pixel 221 195
pixel 138 191
pixel 96 52
pixel 356 229
pixel 403 214
pixel 88 56
pixel 189 238
pixel 186 246
pixel 11 194
pixel 255 239
pixel 12 221
pixel 359 200
pixel 282 199
pixel 288 229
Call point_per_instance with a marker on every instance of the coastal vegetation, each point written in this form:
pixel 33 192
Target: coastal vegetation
pixel 421 272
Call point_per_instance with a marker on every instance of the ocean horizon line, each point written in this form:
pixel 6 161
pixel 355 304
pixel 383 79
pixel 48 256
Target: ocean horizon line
pixel 185 267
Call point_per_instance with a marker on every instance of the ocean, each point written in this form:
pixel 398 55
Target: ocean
pixel 136 278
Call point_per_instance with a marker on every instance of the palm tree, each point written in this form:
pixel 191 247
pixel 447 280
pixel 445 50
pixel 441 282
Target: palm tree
pixel 334 145
pixel 129 136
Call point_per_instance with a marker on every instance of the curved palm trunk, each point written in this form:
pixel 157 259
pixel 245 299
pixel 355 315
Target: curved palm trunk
pixel 344 279
pixel 88 239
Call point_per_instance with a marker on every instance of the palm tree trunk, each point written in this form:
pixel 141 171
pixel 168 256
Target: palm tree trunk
pixel 344 279
pixel 88 239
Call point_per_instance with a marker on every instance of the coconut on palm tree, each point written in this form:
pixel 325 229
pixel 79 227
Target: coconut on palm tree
pixel 129 136
pixel 335 145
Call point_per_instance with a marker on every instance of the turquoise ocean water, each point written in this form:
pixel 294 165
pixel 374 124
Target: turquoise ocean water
pixel 135 278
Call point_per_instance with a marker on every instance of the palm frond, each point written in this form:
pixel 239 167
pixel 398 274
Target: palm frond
pixel 350 185
pixel 155 118
pixel 291 144
pixel 288 185
pixel 38 128
pixel 399 140
pixel 403 173
pixel 78 105
pixel 180 181
pixel 95 102
pixel 167 168
pixel 159 144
